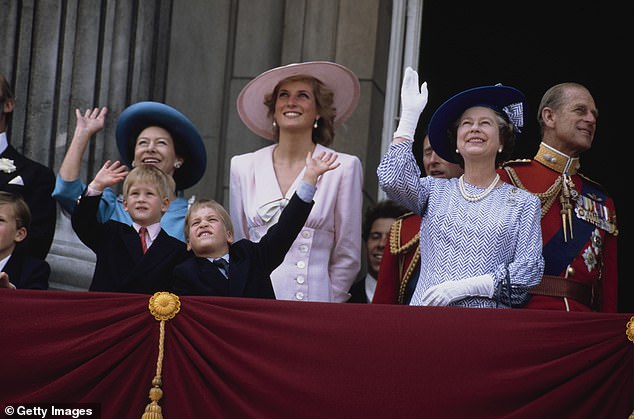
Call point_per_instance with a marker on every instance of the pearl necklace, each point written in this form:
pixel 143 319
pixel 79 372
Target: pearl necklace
pixel 473 198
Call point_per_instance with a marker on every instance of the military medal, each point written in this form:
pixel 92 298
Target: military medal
pixel 590 209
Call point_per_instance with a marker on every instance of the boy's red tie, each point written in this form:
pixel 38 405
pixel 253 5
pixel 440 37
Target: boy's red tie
pixel 142 233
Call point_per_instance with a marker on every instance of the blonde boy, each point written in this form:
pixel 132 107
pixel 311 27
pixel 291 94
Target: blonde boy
pixel 135 258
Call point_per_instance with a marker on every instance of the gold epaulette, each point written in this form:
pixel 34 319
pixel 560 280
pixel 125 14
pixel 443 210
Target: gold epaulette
pixel 516 161
pixel 395 237
pixel 407 214
pixel 584 177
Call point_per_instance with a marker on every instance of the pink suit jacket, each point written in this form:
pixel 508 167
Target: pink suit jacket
pixel 324 260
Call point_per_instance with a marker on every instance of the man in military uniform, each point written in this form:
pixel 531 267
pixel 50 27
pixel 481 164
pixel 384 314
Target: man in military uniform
pixel 400 265
pixel 578 216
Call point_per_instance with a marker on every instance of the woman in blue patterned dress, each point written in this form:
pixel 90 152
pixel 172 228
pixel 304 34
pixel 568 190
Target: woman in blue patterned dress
pixel 480 238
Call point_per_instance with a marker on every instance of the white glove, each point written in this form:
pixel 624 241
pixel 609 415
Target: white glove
pixel 413 101
pixel 449 291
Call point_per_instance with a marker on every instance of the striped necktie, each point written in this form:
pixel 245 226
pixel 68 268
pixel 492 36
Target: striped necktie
pixel 223 265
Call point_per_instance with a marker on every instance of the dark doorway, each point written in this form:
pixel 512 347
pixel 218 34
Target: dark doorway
pixel 532 46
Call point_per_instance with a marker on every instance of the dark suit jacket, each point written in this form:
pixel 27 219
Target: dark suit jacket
pixel 357 292
pixel 251 263
pixel 27 272
pixel 38 183
pixel 121 265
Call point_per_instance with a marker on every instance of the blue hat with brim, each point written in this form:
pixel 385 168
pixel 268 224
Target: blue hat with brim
pixel 187 140
pixel 504 99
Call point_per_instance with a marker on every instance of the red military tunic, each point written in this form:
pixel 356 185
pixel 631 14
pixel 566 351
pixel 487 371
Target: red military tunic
pixel 401 260
pixel 579 244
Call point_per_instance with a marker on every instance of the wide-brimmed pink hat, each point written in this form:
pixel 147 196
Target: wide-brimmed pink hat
pixel 343 82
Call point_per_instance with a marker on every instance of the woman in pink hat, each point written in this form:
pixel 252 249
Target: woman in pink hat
pixel 298 107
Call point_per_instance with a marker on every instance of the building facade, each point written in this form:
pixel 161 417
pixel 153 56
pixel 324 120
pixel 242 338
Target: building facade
pixel 195 55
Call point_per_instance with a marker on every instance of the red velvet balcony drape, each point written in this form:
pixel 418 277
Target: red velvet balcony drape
pixel 246 358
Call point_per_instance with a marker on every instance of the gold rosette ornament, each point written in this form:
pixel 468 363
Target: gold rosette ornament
pixel 163 306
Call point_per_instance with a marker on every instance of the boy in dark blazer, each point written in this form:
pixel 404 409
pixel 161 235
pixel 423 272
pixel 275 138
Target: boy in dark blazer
pixel 136 258
pixel 243 269
pixel 17 269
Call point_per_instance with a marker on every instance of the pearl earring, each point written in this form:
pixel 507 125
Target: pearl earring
pixel 315 124
pixel 500 150
pixel 274 123
pixel 178 165
pixel 457 151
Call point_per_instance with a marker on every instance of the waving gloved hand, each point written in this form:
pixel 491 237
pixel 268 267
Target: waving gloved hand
pixel 447 292
pixel 413 101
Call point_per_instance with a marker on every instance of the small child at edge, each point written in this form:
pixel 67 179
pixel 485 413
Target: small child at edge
pixel 17 269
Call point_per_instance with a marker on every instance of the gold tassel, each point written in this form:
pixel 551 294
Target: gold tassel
pixel 153 409
pixel 163 306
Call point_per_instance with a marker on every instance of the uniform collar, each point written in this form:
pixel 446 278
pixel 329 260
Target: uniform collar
pixel 556 160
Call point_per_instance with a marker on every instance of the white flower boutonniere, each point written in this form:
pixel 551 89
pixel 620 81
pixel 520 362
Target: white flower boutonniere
pixel 6 165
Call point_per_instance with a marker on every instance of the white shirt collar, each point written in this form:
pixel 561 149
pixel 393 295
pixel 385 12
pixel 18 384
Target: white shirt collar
pixel 3 263
pixel 225 257
pixel 4 143
pixel 370 287
pixel 152 231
